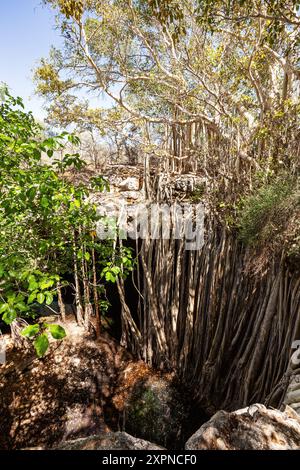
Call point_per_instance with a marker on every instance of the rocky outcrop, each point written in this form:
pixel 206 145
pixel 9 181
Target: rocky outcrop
pixel 150 404
pixel 292 397
pixel 252 428
pixel 62 397
pixel 109 441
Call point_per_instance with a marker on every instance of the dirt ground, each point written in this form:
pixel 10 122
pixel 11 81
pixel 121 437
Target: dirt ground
pixel 65 395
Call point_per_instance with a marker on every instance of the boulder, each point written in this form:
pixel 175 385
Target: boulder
pixel 150 404
pixel 129 184
pixel 109 441
pixel 252 428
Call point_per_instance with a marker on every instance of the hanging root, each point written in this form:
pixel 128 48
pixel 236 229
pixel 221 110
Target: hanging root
pixel 226 332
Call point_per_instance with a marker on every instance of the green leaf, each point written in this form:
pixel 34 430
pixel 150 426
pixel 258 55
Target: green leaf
pixel 57 331
pixel 9 316
pixel 41 345
pixel 21 306
pixel 49 298
pixel 33 286
pixel 44 202
pixel 31 298
pixel 31 330
pixel 13 274
pixel 87 256
pixel 46 284
pixel 116 270
pixel 11 298
pixel 3 307
pixel 31 193
pixel 40 298
pixel 31 278
pixel 110 277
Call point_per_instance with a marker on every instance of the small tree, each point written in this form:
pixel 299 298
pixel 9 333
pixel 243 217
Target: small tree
pixel 47 227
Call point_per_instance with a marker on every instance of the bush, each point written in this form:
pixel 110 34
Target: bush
pixel 270 217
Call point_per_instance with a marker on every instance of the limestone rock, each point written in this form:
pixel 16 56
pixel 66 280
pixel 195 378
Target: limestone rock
pixel 253 428
pixel 129 184
pixel 131 195
pixel 109 441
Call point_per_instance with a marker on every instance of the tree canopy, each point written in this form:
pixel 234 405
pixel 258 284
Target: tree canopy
pixel 231 68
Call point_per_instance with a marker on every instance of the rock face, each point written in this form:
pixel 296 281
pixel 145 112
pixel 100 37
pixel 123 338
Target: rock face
pixel 109 441
pixel 63 397
pixel 150 404
pixel 292 397
pixel 252 428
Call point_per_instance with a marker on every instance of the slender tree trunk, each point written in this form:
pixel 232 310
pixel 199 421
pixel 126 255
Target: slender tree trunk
pixel 88 309
pixel 78 303
pixel 62 308
pixel 96 297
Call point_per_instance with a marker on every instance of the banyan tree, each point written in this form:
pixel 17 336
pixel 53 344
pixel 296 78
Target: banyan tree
pixel 209 96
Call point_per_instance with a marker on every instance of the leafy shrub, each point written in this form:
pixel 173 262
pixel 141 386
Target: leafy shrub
pixel 47 224
pixel 270 217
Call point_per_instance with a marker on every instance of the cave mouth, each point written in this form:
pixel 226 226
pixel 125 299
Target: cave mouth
pixel 193 416
pixel 114 312
pixel 168 420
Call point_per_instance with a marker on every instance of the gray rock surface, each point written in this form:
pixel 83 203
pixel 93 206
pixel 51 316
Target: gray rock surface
pixel 292 397
pixel 252 428
pixel 109 441
pixel 129 184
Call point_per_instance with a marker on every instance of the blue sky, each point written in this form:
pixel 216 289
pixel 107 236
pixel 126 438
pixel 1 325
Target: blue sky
pixel 26 34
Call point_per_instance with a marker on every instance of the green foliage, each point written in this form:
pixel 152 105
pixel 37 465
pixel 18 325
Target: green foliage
pixel 72 8
pixel 69 160
pixel 269 215
pixel 229 65
pixel 57 331
pixel 198 193
pixel 39 334
pixel 41 344
pixel 121 265
pixel 211 14
pixel 170 13
pixel 44 220
pixel 31 330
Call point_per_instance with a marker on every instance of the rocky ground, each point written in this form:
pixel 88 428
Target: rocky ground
pixel 84 387
pixel 84 394
pixel 62 396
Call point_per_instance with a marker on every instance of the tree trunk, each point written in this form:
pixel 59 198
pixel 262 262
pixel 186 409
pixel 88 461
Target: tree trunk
pixel 62 308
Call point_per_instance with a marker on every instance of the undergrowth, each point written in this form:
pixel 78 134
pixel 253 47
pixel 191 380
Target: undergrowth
pixel 269 218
